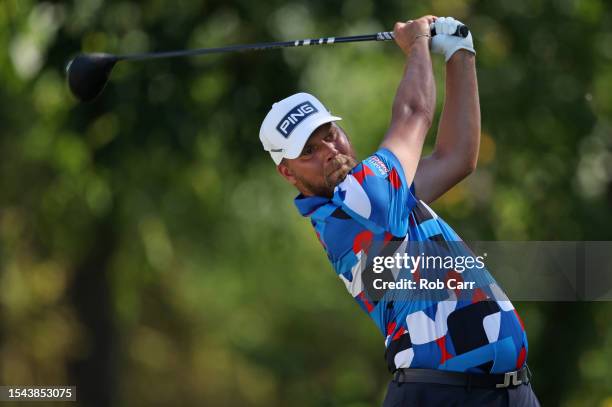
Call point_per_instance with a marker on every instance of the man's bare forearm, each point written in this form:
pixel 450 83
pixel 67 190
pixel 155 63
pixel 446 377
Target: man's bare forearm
pixel 416 92
pixel 413 107
pixel 458 135
pixel 456 151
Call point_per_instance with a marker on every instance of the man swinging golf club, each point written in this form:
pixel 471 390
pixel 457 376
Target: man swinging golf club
pixel 463 344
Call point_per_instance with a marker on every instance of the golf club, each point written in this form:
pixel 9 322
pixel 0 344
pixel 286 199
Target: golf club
pixel 89 73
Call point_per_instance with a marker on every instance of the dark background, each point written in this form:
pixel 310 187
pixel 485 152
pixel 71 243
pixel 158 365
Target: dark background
pixel 150 254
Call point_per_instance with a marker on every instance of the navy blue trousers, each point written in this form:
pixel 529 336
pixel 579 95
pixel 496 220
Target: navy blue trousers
pixel 433 395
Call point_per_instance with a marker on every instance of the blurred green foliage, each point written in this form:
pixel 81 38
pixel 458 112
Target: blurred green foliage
pixel 150 254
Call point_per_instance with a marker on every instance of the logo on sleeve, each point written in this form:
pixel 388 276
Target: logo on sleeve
pixel 377 165
pixel 294 118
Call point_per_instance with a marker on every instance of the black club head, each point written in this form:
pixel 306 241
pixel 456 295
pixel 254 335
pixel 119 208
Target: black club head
pixel 88 74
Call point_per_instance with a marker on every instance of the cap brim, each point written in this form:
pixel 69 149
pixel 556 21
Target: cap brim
pixel 296 149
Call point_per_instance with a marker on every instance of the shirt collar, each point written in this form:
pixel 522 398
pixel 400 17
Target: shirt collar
pixel 308 204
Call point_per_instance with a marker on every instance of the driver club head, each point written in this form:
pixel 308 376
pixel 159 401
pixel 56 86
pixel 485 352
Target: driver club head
pixel 88 74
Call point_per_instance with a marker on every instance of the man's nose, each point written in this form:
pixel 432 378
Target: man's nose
pixel 329 150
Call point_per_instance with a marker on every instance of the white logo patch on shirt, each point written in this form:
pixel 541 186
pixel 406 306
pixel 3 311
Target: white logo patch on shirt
pixel 355 197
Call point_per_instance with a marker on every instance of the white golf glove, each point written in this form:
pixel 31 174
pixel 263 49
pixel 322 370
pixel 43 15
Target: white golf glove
pixel 445 43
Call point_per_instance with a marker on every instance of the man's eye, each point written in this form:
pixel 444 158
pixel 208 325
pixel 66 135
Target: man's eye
pixel 307 150
pixel 329 137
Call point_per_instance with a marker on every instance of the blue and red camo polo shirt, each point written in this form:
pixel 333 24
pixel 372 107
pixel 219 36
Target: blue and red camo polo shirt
pixel 471 330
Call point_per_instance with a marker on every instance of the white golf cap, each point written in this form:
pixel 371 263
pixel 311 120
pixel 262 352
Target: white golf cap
pixel 289 124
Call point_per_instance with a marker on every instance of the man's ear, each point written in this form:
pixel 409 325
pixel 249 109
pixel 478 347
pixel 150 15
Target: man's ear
pixel 286 172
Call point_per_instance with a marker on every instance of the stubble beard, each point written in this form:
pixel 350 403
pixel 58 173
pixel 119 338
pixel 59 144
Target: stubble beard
pixel 333 175
pixel 317 190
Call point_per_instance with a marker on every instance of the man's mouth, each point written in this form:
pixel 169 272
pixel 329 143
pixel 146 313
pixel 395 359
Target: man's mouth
pixel 337 169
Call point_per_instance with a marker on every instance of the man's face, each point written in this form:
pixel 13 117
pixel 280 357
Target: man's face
pixel 326 158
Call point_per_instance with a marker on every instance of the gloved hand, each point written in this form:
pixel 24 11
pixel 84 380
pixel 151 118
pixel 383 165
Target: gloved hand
pixel 447 44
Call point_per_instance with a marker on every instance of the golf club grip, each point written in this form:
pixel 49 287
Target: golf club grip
pixel 462 31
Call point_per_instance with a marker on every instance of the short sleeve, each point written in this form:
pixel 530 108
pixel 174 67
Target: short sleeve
pixel 375 193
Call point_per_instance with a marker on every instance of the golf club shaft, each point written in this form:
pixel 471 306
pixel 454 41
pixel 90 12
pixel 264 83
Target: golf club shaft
pixel 381 36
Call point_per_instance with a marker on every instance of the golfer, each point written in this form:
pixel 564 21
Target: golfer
pixel 463 344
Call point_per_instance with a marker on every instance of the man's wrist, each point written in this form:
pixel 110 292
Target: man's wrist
pixel 460 63
pixel 422 35
pixel 462 53
pixel 420 41
pixel 462 49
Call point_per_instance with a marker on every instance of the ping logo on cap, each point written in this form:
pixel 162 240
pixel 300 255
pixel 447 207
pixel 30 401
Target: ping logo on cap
pixel 295 117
